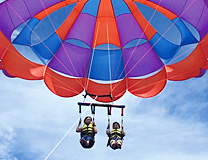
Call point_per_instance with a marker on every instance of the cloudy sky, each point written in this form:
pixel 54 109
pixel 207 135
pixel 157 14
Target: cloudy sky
pixel 172 125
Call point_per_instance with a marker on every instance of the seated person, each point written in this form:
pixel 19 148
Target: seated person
pixel 88 132
pixel 115 136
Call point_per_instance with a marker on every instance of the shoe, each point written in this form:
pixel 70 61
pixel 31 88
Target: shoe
pixel 83 141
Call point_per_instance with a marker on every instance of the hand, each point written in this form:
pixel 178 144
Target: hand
pixel 80 121
pixel 93 123
pixel 122 126
pixel 108 125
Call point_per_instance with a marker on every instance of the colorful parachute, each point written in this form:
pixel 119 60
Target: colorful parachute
pixel 104 47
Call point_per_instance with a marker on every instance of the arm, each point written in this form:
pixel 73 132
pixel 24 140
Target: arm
pixel 95 128
pixel 108 129
pixel 79 129
pixel 124 133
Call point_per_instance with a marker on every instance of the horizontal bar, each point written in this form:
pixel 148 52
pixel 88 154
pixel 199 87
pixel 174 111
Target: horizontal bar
pixel 100 105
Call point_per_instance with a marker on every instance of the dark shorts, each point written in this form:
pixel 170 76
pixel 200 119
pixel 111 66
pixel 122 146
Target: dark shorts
pixel 116 138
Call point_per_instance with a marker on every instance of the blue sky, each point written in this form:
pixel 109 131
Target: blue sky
pixel 172 125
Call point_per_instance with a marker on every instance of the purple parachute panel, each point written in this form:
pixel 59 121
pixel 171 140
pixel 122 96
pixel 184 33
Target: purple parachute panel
pixel 141 60
pixel 71 60
pixel 83 29
pixel 128 29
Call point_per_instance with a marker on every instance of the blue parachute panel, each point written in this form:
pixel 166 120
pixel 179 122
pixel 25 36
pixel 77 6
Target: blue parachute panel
pixel 161 24
pixel 91 7
pixel 46 50
pixel 78 43
pixel 120 7
pixel 28 53
pixel 163 47
pixel 46 27
pixel 101 69
pixel 24 38
pixel 182 53
pixel 187 36
pixel 193 30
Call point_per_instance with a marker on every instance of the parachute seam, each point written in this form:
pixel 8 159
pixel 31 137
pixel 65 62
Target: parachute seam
pixel 9 14
pixel 27 8
pixel 200 16
pixel 183 8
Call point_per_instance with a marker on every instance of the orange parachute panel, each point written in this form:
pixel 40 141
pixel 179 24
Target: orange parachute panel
pixel 189 67
pixel 1 66
pixel 106 31
pixel 205 66
pixel 63 86
pixel 148 87
pixel 204 44
pixel 117 90
pixel 18 66
pixel 4 44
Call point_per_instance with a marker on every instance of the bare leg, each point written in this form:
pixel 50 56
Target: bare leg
pixel 119 143
pixel 113 144
pixel 88 142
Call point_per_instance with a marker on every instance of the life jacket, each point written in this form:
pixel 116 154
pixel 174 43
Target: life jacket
pixel 87 130
pixel 116 132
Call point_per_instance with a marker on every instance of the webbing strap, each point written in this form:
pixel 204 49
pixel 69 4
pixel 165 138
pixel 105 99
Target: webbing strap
pixel 93 95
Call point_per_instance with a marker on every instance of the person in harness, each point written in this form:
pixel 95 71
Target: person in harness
pixel 88 132
pixel 115 135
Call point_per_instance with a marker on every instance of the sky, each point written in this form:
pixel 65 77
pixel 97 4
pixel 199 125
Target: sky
pixel 172 125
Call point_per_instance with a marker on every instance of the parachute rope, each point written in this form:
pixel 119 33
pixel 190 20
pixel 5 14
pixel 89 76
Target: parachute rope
pixel 93 52
pixel 109 59
pixel 63 137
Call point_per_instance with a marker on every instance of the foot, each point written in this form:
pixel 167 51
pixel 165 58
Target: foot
pixel 113 146
pixel 119 146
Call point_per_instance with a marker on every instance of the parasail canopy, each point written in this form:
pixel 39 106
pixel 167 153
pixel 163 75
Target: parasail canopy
pixel 104 47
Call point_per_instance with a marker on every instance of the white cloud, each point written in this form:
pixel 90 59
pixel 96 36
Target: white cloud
pixel 6 142
pixel 168 126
